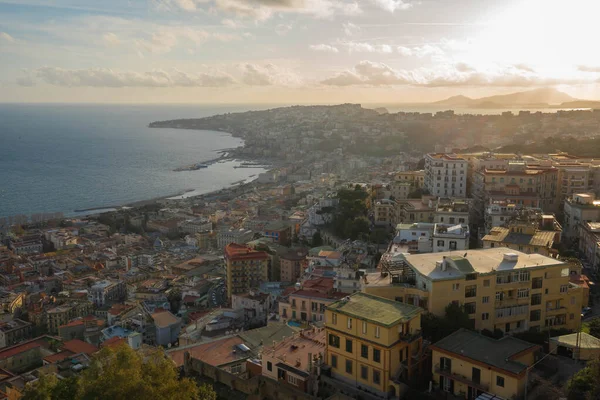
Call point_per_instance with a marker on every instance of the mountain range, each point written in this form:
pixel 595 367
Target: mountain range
pixel 537 98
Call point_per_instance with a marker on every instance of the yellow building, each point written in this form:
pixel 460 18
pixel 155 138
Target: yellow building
pixel 373 342
pixel 499 288
pixel 468 364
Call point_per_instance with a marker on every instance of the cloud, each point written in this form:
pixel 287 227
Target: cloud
pixel 283 29
pixel 105 77
pixel 6 37
pixel 588 68
pixel 524 67
pixel 392 5
pixel 166 38
pixel 350 29
pixel 324 48
pixel 233 24
pixel 450 75
pixel 361 47
pixel 268 75
pixel 110 39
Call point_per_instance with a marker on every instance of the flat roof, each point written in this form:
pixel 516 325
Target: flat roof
pixel 504 235
pixel 481 261
pixel 497 353
pixel 586 341
pixel 375 309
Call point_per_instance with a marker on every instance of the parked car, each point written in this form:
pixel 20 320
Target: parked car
pixel 586 312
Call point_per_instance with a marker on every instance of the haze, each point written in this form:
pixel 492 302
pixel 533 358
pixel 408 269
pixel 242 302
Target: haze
pixel 294 51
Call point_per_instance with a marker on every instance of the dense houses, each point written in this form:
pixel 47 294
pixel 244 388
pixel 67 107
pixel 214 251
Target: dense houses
pixel 250 286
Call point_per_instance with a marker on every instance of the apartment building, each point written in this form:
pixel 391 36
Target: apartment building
pixel 238 236
pixel 246 268
pixel 305 305
pixel 578 208
pixel 432 238
pixel 61 315
pixel 415 178
pixel 451 211
pixel 107 292
pixel 15 331
pixel 446 175
pixel 469 365
pixel 372 342
pixel 386 212
pixel 500 212
pixel 291 264
pixel 418 210
pixel 527 234
pixel 519 184
pixel 499 288
pixel 589 242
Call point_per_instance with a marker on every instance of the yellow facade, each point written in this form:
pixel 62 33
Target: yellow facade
pixel 537 297
pixel 368 354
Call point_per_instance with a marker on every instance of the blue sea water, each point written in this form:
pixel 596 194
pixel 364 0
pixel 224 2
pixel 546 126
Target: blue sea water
pixel 63 157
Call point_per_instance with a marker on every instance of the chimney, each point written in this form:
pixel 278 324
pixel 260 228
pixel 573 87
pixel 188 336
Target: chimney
pixel 444 263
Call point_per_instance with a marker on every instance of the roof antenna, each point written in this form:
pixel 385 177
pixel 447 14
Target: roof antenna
pixel 465 255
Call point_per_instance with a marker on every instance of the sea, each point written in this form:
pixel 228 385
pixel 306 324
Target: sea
pixel 67 157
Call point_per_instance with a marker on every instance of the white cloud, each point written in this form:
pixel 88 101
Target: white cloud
pixel 588 68
pixel 392 5
pixel 450 75
pixel 350 29
pixel 405 51
pixel 6 37
pixel 166 38
pixel 362 47
pixel 268 75
pixel 283 29
pixel 324 48
pixel 231 23
pixel 105 77
pixel 110 39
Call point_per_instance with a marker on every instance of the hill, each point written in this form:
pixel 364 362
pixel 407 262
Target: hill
pixel 544 97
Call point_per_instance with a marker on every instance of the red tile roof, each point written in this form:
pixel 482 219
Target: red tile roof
pixel 114 341
pixel 79 346
pixel 54 358
pixel 234 251
pixel 214 353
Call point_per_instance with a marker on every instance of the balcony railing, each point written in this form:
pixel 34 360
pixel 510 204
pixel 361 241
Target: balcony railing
pixel 513 301
pixel 409 337
pixel 460 378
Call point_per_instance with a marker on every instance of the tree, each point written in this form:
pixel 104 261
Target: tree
pixel 586 383
pixel 317 240
pixel 175 299
pixel 594 325
pixel 121 374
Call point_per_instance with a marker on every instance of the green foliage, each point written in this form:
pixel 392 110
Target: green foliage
pixel 121 374
pixel 436 328
pixel 317 240
pixel 594 327
pixel 586 383
pixel 350 219
pixel 175 299
pixel 418 193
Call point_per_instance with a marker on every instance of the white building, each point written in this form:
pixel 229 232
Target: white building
pixel 105 292
pixel 195 225
pixel 239 236
pixel 579 208
pixel 450 238
pixel 449 211
pixel 446 175
pixel 321 213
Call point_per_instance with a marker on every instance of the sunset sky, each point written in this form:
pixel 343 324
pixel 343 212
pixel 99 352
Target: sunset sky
pixel 294 51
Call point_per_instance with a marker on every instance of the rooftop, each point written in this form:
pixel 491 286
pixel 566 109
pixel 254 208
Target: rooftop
pixel 586 341
pixel 446 157
pixel 293 352
pixel 496 353
pixel 77 346
pixel 216 353
pixel 236 251
pixel 375 309
pixel 164 319
pixel 504 235
pixel 482 261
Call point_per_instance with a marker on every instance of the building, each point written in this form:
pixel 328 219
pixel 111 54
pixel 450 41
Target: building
pixel 167 326
pixel 193 226
pixel 61 315
pixel 578 346
pixel 291 264
pixel 499 288
pixel 279 232
pixel 432 238
pixel 581 207
pixel 589 242
pixel 420 210
pixel 107 292
pixel 256 306
pixel 372 342
pixel 446 175
pixel 246 268
pixel 450 237
pixel 415 178
pixel 295 360
pixel 386 212
pixel 468 364
pixel 31 244
pixel 237 236
pixel 13 332
pixel 306 305
pixel 88 329
pixel 450 211
pixel 400 190
pixel 501 212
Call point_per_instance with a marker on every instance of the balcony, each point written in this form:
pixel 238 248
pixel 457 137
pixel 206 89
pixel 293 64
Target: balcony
pixel 460 378
pixel 556 311
pixel 513 284
pixel 410 337
pixel 510 302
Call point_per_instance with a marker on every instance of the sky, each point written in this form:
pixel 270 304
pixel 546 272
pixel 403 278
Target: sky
pixel 294 51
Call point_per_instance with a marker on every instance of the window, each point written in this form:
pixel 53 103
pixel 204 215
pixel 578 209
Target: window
pixel 376 377
pixel 364 351
pixel 485 299
pixel 333 361
pixel 455 286
pixel 364 372
pixel 334 318
pixel 499 296
pixel 470 308
pixel 440 243
pixel 376 355
pixel 485 316
pixel 573 300
pixel 293 380
pixel 348 366
pixel 536 283
pixel 486 283
pixel 349 323
pixel 334 341
pixel 364 327
pixel 348 345
pixel 377 332
pixel 536 299
pixel 499 381
pixel 452 245
pixel 471 291
pixel 564 288
pixel 535 315
pixel 523 293
pixel 269 366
